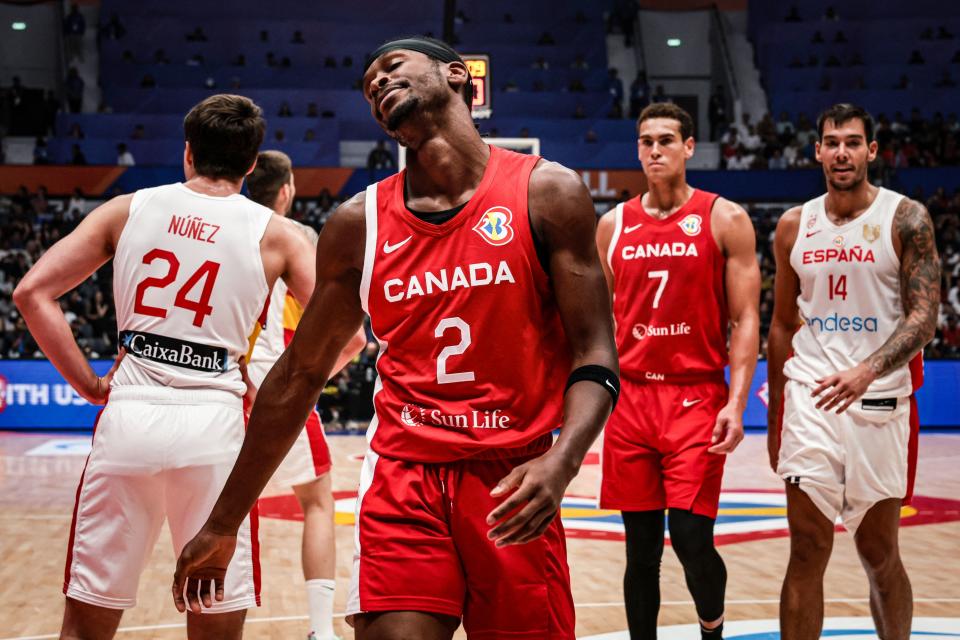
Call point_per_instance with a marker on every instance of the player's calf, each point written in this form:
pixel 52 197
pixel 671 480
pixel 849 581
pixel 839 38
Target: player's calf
pixel 82 621
pixel 216 626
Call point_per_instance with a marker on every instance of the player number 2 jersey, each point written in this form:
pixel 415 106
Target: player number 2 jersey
pixel 473 355
pixel 669 298
pixel 849 294
pixel 188 285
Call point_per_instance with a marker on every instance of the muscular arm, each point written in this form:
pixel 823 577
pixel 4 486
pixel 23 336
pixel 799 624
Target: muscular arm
pixel 300 254
pixel 785 322
pixel 920 296
pixel 292 386
pixel 604 236
pixel 64 266
pixel 919 289
pixel 742 282
pixel 564 218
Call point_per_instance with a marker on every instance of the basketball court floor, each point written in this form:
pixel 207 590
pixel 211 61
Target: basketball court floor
pixel 39 473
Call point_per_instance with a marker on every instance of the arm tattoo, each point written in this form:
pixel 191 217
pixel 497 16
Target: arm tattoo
pixel 919 289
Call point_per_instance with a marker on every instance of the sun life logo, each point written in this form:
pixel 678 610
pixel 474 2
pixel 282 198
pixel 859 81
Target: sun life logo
pixel 411 416
pixel 494 226
pixel 639 331
pixel 691 224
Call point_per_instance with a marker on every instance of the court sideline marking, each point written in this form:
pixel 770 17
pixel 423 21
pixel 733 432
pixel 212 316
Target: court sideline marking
pixel 583 605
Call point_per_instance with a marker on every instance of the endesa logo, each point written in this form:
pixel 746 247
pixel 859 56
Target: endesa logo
pixel 836 323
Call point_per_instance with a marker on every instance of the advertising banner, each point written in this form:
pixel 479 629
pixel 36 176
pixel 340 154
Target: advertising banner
pixel 34 396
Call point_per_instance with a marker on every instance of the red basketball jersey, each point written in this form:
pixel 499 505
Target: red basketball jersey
pixel 473 354
pixel 669 299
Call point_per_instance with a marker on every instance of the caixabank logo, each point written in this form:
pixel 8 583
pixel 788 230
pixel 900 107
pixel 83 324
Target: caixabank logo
pixel 833 628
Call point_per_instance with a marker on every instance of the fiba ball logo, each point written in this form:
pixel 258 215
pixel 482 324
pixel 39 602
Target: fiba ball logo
pixel 494 226
pixel 691 224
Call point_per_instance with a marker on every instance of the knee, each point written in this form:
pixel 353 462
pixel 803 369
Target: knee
pixel 645 560
pixel 879 559
pixel 690 549
pixel 811 551
pixel 692 538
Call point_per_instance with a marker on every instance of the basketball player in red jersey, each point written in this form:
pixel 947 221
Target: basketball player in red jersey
pixel 856 297
pixel 682 268
pixel 193 263
pixel 484 288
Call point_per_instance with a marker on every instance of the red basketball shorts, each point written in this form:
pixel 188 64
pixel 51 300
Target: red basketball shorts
pixel 421 545
pixel 655 448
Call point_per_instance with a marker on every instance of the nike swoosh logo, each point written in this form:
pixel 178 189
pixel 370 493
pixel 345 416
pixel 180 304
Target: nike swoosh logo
pixel 609 384
pixel 813 233
pixel 632 229
pixel 690 403
pixel 390 248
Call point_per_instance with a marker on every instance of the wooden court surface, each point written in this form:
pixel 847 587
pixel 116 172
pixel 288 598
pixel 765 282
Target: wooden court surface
pixel 37 494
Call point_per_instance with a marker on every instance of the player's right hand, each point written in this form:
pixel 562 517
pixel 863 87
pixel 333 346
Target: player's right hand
pixel 203 561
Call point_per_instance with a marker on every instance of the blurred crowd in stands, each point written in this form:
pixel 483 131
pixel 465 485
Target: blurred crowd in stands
pixel 787 144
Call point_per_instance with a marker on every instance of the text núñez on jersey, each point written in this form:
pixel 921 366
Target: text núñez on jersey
pixel 193 227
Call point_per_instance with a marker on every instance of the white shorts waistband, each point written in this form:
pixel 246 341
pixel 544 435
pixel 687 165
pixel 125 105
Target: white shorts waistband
pixel 169 395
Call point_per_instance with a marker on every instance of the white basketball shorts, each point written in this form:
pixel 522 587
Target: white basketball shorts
pixel 846 463
pixel 309 457
pixel 158 453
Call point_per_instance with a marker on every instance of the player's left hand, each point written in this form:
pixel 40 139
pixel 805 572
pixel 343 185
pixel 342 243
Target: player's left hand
pixel 251 394
pixel 100 389
pixel 539 485
pixel 843 388
pixel 728 431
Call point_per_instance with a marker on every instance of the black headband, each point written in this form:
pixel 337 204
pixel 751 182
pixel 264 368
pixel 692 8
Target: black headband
pixel 436 50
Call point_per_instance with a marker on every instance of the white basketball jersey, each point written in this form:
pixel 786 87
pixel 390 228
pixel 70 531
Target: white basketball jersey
pixel 849 294
pixel 282 316
pixel 188 285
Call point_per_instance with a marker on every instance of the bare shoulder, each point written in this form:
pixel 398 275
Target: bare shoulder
pixel 913 230
pixel 547 174
pixel 728 217
pixel 555 189
pixel 607 222
pixel 788 226
pixel 115 208
pixel 561 208
pixel 342 240
pixel 729 212
pixel 351 213
pixel 789 222
pixel 911 217
pixel 108 220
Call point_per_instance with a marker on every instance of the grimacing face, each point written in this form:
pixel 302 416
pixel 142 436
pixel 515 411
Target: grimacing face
pixel 398 83
pixel 845 154
pixel 661 148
